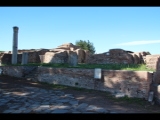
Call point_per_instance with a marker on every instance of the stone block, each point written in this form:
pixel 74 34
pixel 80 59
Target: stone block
pixel 97 73
pixel 73 59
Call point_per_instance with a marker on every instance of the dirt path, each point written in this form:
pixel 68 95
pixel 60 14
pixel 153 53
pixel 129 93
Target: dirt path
pixel 92 97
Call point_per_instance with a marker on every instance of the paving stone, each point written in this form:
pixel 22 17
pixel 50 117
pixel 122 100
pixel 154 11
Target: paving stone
pixel 8 111
pixel 112 112
pixel 100 110
pixel 91 108
pixel 23 94
pixel 60 111
pixel 22 108
pixel 53 108
pixel 47 111
pixel 44 106
pixel 45 103
pixel 17 111
pixel 64 107
pixel 27 111
pixel 63 100
pixel 82 106
pixel 42 90
pixel 16 106
pixel 73 102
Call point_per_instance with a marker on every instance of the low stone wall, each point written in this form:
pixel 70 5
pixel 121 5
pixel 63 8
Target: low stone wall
pixel 131 83
pixel 16 71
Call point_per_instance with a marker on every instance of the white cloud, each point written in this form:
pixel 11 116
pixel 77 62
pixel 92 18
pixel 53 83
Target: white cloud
pixel 139 42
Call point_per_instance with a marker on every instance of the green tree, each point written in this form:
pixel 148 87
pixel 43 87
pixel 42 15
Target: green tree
pixel 86 45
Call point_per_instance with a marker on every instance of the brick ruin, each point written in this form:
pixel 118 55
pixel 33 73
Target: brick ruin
pixel 118 56
pixel 33 56
pixel 61 55
pixel 57 55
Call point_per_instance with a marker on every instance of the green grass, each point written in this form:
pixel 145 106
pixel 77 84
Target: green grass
pixel 139 101
pixel 132 67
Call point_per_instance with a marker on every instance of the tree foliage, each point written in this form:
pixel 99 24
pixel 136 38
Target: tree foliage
pixel 86 45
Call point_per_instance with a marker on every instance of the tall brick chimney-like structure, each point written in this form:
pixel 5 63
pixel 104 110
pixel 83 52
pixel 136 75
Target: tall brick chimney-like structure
pixel 15 45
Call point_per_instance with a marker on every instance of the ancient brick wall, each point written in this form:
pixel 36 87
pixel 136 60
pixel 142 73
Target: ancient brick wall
pixel 7 58
pixel 153 62
pixel 119 56
pixel 16 71
pixel 133 84
pixel 33 57
pixel 111 57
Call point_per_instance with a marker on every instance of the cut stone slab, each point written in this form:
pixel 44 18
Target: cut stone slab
pixel 60 111
pixel 17 111
pixel 44 106
pixel 8 111
pixel 23 94
pixel 100 110
pixel 73 102
pixel 91 108
pixel 16 106
pixel 150 98
pixel 22 109
pixel 64 100
pixel 82 106
pixel 64 107
pixel 27 111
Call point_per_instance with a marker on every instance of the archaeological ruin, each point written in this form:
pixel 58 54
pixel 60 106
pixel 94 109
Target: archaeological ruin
pixel 130 83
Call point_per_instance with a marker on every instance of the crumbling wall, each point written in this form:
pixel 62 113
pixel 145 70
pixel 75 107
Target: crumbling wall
pixel 111 57
pixel 33 56
pixel 61 54
pixel 117 56
pixel 7 58
pixel 153 62
pixel 58 57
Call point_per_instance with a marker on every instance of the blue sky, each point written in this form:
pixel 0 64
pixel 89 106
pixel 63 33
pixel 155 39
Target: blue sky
pixel 130 28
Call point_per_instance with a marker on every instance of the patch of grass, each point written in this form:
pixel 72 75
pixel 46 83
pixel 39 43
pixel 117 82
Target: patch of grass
pixel 139 101
pixel 132 67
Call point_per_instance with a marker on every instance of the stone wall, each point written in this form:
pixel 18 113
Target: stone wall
pixel 117 56
pixel 33 56
pixel 131 83
pixel 153 62
pixel 16 71
pixel 58 57
pixel 6 58
pixel 61 54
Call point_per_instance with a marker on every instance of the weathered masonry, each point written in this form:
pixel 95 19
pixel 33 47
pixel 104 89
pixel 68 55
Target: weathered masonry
pixel 131 83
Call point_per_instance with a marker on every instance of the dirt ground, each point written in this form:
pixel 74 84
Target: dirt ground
pixel 92 97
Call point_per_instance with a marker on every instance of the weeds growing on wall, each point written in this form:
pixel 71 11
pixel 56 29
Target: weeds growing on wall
pixel 132 67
